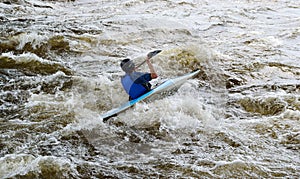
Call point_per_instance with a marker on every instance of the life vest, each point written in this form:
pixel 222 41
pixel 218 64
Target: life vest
pixel 134 90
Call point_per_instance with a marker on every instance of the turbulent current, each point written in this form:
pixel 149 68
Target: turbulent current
pixel 59 71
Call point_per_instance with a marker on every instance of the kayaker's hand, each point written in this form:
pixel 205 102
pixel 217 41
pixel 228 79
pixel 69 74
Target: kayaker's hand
pixel 148 60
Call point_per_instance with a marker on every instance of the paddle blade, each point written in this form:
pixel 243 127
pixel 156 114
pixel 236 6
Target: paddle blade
pixel 152 54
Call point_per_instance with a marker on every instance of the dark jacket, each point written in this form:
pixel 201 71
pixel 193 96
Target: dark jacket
pixel 136 84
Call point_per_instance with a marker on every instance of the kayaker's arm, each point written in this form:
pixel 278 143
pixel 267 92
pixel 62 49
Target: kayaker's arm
pixel 152 71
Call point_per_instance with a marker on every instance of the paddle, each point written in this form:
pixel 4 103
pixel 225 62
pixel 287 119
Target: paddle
pixel 149 55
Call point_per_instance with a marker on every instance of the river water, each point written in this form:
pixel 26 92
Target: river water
pixel 59 69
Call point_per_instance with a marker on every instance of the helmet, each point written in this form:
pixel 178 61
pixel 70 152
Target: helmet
pixel 127 65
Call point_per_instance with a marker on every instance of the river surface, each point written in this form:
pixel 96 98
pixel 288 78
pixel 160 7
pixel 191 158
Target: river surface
pixel 59 71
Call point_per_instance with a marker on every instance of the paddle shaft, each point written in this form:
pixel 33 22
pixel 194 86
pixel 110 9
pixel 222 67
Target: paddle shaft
pixel 149 55
pixel 140 64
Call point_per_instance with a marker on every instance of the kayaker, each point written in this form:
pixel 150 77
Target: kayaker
pixel 136 83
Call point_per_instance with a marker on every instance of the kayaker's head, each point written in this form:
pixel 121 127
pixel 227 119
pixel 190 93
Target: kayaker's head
pixel 127 65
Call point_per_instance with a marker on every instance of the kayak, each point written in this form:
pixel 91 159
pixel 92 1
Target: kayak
pixel 164 87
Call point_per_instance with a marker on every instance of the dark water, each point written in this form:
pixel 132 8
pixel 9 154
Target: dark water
pixel 59 71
